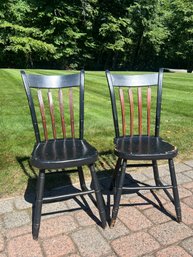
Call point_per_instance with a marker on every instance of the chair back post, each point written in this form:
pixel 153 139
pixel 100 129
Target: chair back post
pixel 81 125
pixel 159 101
pixel 31 106
pixel 113 103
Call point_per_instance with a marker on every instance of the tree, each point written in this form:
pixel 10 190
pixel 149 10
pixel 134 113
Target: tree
pixel 20 42
pixel 147 19
pixel 96 34
pixel 180 24
pixel 58 21
pixel 113 32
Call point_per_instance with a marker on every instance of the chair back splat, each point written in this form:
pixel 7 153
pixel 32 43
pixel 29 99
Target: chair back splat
pixel 136 103
pixel 48 100
pixel 127 85
pixel 56 105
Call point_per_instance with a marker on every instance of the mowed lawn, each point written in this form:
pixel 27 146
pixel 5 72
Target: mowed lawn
pixel 17 136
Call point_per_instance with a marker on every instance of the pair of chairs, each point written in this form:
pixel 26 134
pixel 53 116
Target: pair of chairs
pixel 66 150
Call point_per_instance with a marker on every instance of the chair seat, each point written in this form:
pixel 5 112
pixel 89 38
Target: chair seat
pixel 63 153
pixel 144 148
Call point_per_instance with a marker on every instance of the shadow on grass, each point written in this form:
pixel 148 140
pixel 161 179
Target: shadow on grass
pixel 58 183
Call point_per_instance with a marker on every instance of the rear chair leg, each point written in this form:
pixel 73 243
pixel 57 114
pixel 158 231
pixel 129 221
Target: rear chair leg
pixel 156 173
pixel 175 190
pixel 117 167
pixel 99 198
pixel 38 204
pixel 81 179
pixel 118 193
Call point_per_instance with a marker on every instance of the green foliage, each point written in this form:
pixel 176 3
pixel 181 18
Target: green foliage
pixel 181 26
pixel 20 41
pixel 114 29
pixel 134 34
pixel 27 45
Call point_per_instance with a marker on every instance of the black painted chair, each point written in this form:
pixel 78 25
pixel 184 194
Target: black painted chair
pixel 146 146
pixel 60 152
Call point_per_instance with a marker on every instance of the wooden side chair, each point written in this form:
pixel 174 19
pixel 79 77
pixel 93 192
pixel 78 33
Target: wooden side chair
pixel 132 142
pixel 57 146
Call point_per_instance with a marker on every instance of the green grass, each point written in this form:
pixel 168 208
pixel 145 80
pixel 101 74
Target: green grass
pixel 17 136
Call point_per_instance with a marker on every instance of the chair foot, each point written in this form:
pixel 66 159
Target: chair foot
pixel 112 224
pixel 35 231
pixel 179 215
pixel 179 219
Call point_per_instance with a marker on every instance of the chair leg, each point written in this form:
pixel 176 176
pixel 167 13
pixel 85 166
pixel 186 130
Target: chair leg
pixel 156 173
pixel 81 179
pixel 175 190
pixel 38 204
pixel 117 167
pixel 119 186
pixel 99 198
